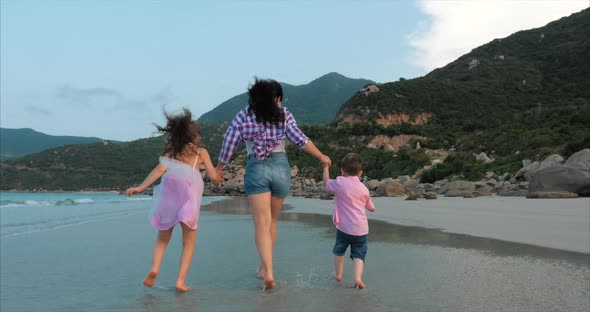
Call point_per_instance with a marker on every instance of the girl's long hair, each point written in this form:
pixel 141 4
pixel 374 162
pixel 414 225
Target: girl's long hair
pixel 262 100
pixel 180 130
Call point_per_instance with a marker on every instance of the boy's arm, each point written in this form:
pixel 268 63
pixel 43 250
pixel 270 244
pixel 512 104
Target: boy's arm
pixel 370 206
pixel 326 174
pixel 149 180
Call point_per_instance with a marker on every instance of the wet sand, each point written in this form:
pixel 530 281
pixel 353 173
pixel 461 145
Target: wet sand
pixel 554 223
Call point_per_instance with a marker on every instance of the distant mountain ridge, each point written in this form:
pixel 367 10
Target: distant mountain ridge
pixel 518 98
pixel 19 142
pixel 314 103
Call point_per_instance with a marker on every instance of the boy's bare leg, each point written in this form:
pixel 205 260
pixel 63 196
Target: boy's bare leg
pixel 188 250
pixel 358 273
pixel 338 267
pixel 157 256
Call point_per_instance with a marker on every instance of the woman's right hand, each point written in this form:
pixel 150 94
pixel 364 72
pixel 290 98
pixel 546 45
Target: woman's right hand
pixel 133 191
pixel 325 160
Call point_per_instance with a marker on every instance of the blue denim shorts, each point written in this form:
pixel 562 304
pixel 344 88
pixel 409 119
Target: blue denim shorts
pixel 358 245
pixel 271 174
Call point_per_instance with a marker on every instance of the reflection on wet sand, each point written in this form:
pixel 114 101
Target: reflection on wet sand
pixel 391 233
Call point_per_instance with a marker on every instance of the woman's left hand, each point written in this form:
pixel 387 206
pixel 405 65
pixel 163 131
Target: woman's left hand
pixel 325 160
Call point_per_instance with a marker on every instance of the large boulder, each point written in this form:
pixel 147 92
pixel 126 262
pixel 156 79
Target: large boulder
pixel 458 188
pixel 580 160
pixel 524 172
pixel 390 187
pixel 550 161
pixel 573 176
pixel 372 184
pixel 560 178
pixel 233 187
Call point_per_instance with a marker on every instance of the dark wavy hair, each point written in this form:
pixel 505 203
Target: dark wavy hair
pixel 262 100
pixel 180 130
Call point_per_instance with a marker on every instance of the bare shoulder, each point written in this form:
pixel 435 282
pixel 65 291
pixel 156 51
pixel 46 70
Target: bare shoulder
pixel 203 152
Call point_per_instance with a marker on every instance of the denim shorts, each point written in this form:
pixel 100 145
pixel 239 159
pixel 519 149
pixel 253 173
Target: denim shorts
pixel 358 245
pixel 271 174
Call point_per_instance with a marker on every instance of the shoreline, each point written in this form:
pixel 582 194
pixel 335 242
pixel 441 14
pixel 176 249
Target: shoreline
pixel 551 223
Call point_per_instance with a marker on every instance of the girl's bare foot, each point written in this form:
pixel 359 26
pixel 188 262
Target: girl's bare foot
pixel 182 287
pixel 359 284
pixel 337 278
pixel 150 279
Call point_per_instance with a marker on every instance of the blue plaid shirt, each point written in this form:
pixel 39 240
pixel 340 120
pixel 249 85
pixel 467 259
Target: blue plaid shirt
pixel 263 137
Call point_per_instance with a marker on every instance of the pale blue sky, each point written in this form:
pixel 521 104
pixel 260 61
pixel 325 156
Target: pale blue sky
pixel 105 68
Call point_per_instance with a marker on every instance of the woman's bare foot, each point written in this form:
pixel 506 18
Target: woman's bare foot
pixel 337 278
pixel 268 284
pixel 181 287
pixel 359 284
pixel 150 279
pixel 259 273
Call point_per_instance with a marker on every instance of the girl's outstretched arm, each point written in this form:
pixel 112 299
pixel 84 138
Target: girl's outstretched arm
pixel 149 180
pixel 211 172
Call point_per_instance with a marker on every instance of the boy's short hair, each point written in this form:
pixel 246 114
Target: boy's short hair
pixel 351 164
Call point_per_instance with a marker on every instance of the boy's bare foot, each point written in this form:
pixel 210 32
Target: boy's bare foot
pixel 337 278
pixel 359 284
pixel 182 288
pixel 150 279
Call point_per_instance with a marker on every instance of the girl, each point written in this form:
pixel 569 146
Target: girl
pixel 264 126
pixel 177 199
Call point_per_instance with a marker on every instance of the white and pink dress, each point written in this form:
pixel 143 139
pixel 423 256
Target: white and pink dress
pixel 178 196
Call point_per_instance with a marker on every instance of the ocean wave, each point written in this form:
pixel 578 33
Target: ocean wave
pixel 23 203
pixel 138 198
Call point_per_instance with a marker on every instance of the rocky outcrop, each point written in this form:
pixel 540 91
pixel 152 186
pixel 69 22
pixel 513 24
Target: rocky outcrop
pixel 368 90
pixel 458 188
pixel 573 176
pixel 390 187
pixel 393 143
pixel 482 157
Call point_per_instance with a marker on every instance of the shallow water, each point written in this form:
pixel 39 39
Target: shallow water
pixel 99 265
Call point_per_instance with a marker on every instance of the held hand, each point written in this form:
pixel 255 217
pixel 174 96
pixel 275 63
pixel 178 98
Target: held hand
pixel 326 161
pixel 132 191
pixel 219 170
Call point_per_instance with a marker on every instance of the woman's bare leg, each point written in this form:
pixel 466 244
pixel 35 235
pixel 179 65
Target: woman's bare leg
pixel 261 214
pixel 276 203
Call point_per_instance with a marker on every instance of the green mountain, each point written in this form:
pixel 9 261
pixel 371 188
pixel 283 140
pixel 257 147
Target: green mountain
pixel 523 96
pixel 314 103
pixel 18 142
pixel 520 97
pixel 103 165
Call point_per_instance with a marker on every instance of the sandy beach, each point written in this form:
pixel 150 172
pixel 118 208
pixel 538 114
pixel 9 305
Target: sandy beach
pixel 555 223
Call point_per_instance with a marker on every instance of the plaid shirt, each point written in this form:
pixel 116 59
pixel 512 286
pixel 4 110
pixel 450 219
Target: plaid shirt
pixel 263 137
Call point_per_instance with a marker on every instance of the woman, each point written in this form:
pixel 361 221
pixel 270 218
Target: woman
pixel 263 125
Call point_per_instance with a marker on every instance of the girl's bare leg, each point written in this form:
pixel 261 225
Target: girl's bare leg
pixel 188 250
pixel 158 255
pixel 261 214
pixel 276 203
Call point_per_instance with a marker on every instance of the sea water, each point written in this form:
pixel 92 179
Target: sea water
pixel 91 251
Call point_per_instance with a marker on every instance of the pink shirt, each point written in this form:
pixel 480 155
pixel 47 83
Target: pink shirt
pixel 351 198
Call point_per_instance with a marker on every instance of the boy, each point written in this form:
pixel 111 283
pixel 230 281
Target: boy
pixel 351 199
